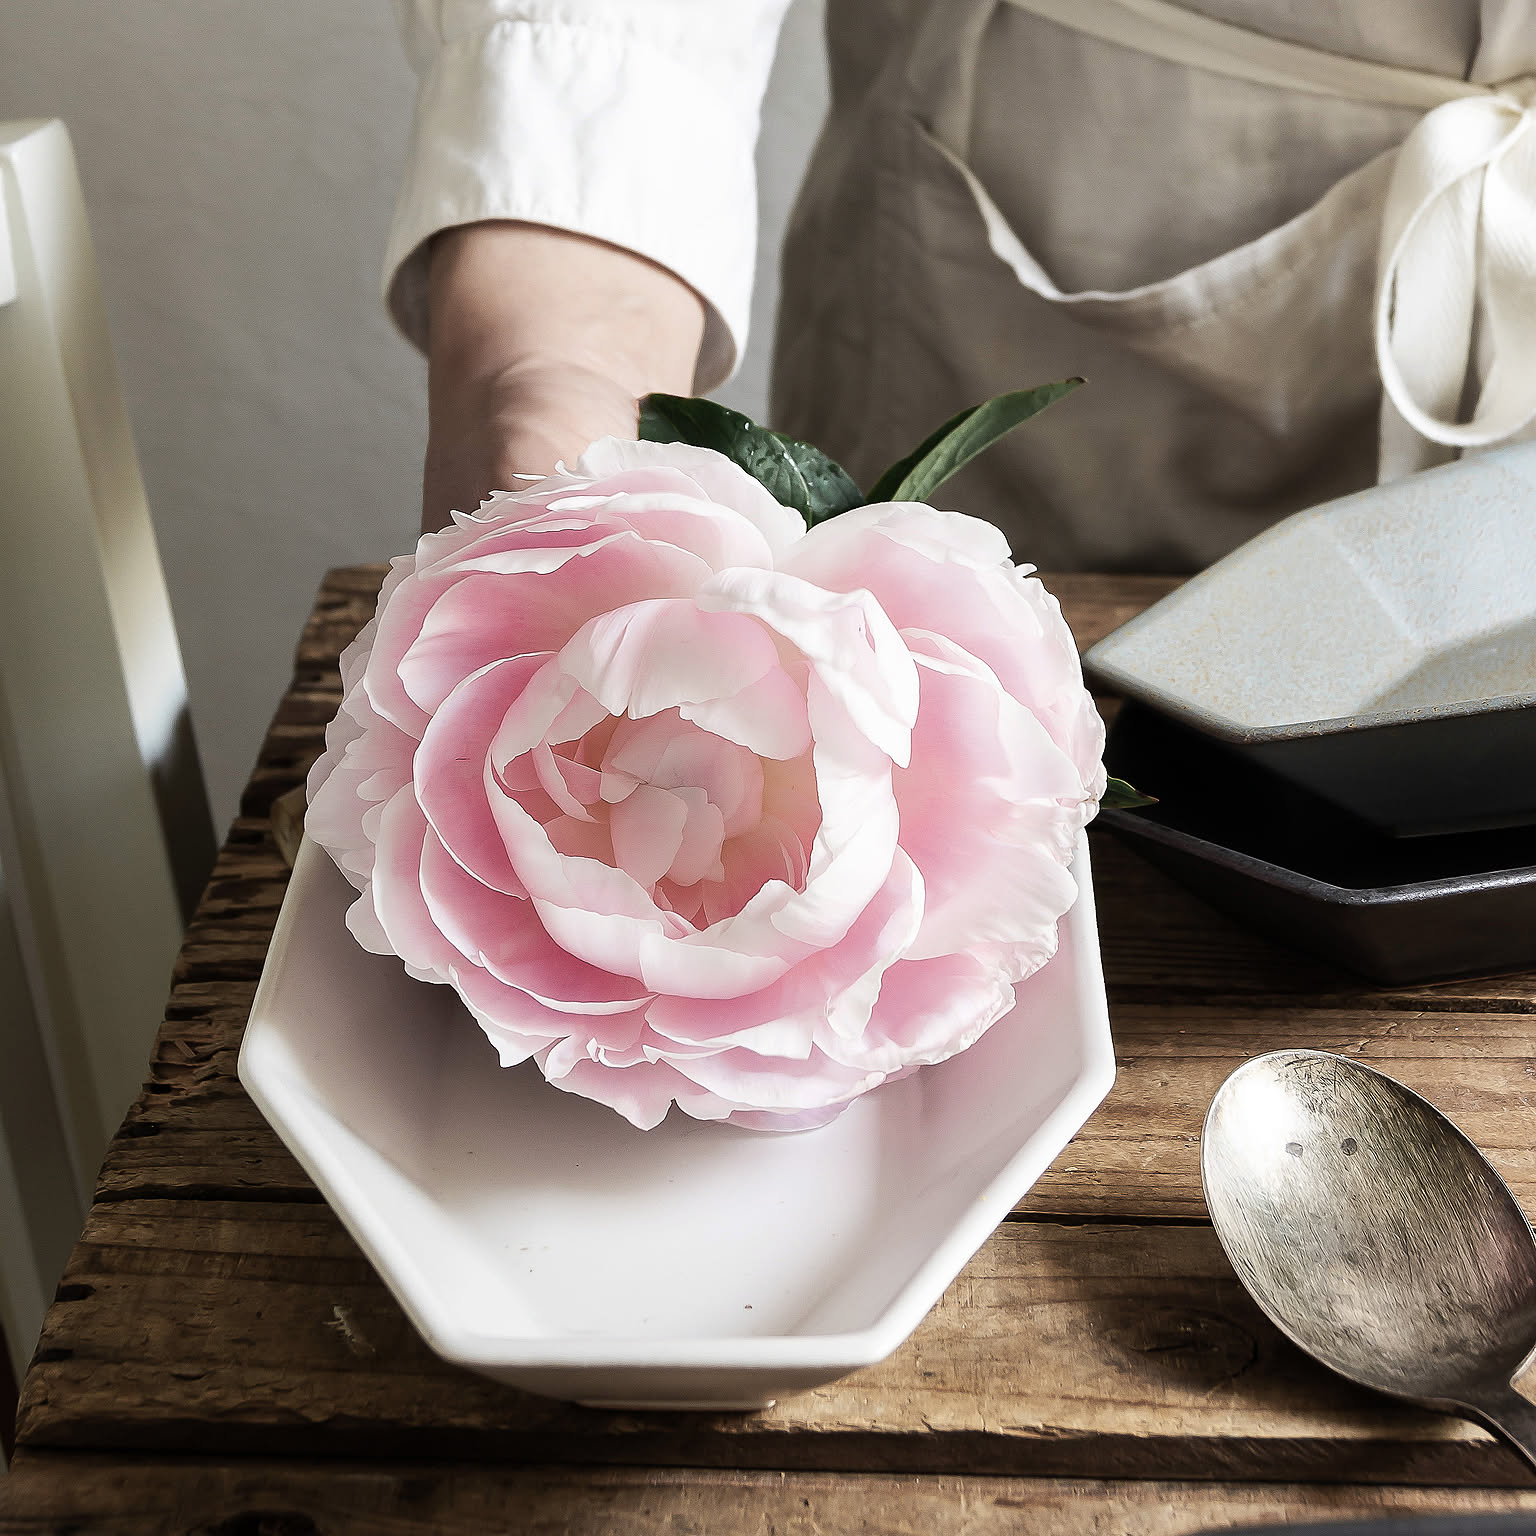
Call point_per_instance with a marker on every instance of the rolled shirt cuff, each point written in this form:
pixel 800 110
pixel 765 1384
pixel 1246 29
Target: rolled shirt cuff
pixel 612 128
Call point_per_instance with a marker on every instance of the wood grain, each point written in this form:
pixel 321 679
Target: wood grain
pixel 1468 1048
pixel 215 1304
pixel 195 1134
pixel 97 1496
pixel 1192 994
pixel 1060 1351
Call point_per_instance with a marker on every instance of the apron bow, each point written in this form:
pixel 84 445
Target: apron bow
pixel 1457 259
pixel 1456 262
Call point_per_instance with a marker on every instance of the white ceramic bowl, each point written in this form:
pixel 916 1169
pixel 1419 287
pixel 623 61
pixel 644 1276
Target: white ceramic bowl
pixel 542 1240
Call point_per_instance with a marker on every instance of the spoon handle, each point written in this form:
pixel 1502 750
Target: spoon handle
pixel 1507 1413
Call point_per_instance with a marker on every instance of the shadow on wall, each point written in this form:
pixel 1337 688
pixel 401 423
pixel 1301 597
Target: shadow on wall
pixel 240 163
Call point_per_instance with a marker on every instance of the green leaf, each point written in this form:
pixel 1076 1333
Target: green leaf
pixel 793 473
pixel 1120 796
pixel 959 440
pixel 829 487
pixel 683 419
pixel 656 424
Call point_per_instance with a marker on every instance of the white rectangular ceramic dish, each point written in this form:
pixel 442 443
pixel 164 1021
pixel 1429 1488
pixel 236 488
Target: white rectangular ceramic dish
pixel 542 1240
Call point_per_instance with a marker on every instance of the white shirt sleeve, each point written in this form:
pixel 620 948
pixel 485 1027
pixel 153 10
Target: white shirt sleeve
pixel 633 121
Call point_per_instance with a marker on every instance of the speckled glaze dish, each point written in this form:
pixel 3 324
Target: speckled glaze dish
pixel 1296 867
pixel 1379 650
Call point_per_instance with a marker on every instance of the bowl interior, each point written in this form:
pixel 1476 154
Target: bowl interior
pixel 501 1208
pixel 1215 792
pixel 1413 598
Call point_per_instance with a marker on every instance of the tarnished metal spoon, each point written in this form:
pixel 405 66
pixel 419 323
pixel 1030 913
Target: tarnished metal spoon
pixel 1375 1235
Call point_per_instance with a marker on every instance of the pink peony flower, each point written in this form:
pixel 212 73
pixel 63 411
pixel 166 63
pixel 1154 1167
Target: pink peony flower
pixel 692 805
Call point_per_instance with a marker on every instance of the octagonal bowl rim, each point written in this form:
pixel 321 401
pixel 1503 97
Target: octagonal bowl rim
pixel 266 1077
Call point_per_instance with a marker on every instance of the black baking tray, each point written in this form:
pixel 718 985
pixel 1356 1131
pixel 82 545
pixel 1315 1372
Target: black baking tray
pixel 1472 766
pixel 1303 870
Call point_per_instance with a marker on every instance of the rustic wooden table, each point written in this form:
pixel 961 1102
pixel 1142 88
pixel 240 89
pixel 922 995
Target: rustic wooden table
pixel 221 1358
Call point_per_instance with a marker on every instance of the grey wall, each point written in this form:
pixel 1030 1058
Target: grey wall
pixel 239 160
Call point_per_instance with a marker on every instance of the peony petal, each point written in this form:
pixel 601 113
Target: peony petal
pixel 547 873
pixel 364 926
pixel 832 988
pixel 845 637
pixel 671 509
pixel 366 761
pixel 950 575
pixel 856 843
pixel 760 856
pixel 643 1093
pixel 396 888
pixel 990 807
pixel 928 1011
pixel 400 617
pixel 502 935
pixel 552 779
pixel 505 521
pixel 671 753
pixel 532 717
pixel 655 656
pixel 766 717
pixel 832 554
pixel 588 838
pixel 698 853
pixel 647 829
pixel 685 966
pixel 777 1084
pixel 535 600
pixel 716 476
pixel 451 764
pixel 607 918
pixel 412 933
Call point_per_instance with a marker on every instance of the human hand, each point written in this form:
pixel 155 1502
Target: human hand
pixel 540 342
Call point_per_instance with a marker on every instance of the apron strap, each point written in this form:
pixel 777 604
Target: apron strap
pixel 1170 32
pixel 1459 224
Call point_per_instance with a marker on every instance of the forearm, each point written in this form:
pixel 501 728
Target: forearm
pixel 541 341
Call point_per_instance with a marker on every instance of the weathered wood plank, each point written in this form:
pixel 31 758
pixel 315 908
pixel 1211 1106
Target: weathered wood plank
pixel 195 1133
pixel 1059 1351
pixel 180 1497
pixel 1160 943
pixel 227 1311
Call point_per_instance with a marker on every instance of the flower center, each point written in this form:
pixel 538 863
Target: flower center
pixel 675 793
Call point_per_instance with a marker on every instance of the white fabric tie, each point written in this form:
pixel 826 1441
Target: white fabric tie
pixel 1462 198
pixel 1457 255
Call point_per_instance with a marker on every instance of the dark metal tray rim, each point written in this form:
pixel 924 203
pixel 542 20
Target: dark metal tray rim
pixel 1307 885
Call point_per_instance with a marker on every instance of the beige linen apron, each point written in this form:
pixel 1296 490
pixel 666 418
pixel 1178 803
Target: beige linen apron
pixel 1225 393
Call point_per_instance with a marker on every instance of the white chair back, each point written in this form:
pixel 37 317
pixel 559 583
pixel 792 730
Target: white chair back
pixel 105 837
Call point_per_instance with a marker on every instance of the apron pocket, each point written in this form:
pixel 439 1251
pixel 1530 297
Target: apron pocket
pixel 1220 399
pixel 1271 327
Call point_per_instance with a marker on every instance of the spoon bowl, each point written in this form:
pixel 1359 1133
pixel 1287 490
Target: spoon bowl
pixel 1374 1235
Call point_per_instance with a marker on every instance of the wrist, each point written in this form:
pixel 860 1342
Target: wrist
pixel 509 299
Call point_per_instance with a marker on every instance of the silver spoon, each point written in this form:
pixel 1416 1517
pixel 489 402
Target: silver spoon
pixel 1375 1235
